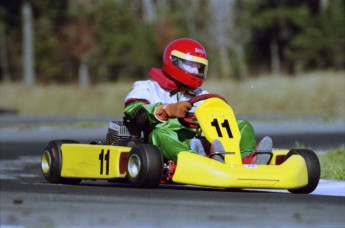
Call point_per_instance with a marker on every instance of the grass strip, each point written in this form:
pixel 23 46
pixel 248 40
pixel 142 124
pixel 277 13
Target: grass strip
pixel 333 164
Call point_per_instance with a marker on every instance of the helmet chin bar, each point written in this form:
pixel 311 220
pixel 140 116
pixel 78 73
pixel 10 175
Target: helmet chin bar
pixel 184 88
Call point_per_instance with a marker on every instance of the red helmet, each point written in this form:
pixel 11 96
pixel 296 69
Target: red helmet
pixel 185 60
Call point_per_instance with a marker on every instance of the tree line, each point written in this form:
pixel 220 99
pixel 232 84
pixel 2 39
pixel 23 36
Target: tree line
pixel 110 40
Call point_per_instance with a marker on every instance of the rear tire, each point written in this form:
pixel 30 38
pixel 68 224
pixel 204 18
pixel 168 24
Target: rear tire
pixel 145 166
pixel 313 168
pixel 51 162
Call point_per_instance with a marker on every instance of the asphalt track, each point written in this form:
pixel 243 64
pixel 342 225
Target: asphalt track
pixel 27 200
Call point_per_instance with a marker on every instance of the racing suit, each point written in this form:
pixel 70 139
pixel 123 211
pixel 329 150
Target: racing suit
pixel 170 136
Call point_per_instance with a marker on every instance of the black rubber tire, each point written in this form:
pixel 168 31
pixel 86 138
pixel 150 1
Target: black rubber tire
pixel 51 162
pixel 145 166
pixel 313 167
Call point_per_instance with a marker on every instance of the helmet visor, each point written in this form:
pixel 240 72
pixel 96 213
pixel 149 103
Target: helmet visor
pixel 193 65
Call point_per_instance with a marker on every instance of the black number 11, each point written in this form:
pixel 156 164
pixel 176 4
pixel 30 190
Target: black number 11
pixel 225 125
pixel 103 158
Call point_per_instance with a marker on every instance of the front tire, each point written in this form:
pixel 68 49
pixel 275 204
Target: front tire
pixel 145 166
pixel 51 162
pixel 313 168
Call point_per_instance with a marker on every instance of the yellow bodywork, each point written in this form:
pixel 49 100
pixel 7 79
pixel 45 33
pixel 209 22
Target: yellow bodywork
pixel 93 161
pixel 217 120
pixel 198 170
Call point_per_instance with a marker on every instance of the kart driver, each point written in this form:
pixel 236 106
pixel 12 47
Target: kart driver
pixel 154 105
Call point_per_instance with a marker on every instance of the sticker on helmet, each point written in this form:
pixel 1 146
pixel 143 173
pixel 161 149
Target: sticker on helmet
pixel 201 51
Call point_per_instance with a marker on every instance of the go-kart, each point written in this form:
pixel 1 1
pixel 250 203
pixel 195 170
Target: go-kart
pixel 128 156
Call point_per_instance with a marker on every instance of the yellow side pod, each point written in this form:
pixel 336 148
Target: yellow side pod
pixel 198 170
pixel 93 161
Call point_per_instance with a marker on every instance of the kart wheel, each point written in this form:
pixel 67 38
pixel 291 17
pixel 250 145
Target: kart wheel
pixel 51 162
pixel 313 167
pixel 145 166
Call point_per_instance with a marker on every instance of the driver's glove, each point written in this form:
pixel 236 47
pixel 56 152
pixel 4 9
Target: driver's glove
pixel 174 110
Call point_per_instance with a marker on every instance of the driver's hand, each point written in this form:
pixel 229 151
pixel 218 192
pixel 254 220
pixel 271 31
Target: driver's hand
pixel 178 110
pixel 174 110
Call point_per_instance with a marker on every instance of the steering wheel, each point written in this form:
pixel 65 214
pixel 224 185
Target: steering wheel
pixel 190 120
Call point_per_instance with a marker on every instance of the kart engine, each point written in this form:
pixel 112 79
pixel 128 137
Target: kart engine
pixel 120 134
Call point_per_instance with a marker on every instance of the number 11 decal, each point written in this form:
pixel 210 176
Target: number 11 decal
pixel 105 158
pixel 225 125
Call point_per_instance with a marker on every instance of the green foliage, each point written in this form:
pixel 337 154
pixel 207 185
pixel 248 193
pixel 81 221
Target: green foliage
pixel 278 24
pixel 116 42
pixel 126 44
pixel 47 64
pixel 321 42
pixel 12 40
pixel 48 18
pixel 333 164
pixel 308 37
